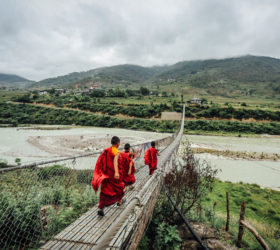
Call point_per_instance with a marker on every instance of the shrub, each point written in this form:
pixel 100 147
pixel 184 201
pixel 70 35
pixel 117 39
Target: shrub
pixel 167 237
pixel 85 176
pixel 3 163
pixel 20 221
pixel 49 172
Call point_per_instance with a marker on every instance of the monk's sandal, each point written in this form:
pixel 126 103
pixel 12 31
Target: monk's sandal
pixel 100 212
pixel 123 201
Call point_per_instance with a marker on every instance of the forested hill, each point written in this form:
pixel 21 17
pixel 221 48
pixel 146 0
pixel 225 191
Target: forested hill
pixel 14 81
pixel 246 74
pixel 125 74
pixel 231 77
pixel 241 69
pixel 246 69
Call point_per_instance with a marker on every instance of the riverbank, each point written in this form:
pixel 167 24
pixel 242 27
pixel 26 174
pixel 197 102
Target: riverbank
pixel 238 154
pixel 40 143
pixel 240 159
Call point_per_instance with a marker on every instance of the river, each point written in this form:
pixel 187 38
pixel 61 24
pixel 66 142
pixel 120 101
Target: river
pixel 265 173
pixel 31 144
pixel 47 142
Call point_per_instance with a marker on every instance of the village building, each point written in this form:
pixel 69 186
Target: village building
pixel 43 92
pixel 195 100
pixel 59 91
pixel 94 87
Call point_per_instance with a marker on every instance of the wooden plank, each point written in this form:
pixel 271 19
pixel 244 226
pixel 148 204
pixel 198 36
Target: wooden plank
pixel 56 246
pixel 99 223
pixel 49 244
pixel 66 245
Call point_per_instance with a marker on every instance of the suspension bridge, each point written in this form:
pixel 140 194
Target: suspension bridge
pixel 122 227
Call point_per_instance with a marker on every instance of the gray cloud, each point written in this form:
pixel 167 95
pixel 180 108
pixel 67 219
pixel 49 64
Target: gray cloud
pixel 40 39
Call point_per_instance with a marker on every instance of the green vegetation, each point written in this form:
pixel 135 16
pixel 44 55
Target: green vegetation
pixel 30 114
pixel 37 204
pixel 94 103
pixel 216 111
pixel 3 163
pixel 7 95
pixel 125 74
pixel 141 111
pixel 272 128
pixel 262 204
pixel 232 77
pixel 50 172
pixel 13 81
pixel 262 211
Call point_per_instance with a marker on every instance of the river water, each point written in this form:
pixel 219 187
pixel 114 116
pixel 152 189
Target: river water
pixel 36 145
pixel 265 173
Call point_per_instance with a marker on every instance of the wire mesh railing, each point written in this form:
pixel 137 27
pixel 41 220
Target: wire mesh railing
pixel 40 199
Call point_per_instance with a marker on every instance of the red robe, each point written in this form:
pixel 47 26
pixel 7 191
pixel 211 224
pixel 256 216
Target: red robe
pixel 127 158
pixel 152 153
pixel 104 174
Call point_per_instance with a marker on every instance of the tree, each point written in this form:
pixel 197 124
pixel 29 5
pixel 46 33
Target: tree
pixel 97 93
pixel 144 91
pixel 188 183
pixel 18 161
pixel 51 91
pixel 204 101
pixel 24 98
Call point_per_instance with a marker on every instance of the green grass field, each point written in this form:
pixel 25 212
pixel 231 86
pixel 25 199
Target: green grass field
pixel 262 211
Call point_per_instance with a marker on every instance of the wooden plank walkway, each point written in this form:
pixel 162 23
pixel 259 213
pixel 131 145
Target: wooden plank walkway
pixel 86 231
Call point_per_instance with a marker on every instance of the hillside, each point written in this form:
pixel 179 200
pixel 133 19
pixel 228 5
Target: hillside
pixel 247 75
pixel 121 74
pixel 14 81
pixel 231 77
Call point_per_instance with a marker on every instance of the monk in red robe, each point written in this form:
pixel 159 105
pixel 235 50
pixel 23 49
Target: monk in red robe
pixel 108 172
pixel 151 157
pixel 128 166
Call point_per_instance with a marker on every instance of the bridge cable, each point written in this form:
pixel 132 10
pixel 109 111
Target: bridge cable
pixel 195 235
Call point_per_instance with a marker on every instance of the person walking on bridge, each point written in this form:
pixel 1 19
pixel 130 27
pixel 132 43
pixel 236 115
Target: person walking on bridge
pixel 150 157
pixel 109 173
pixel 128 166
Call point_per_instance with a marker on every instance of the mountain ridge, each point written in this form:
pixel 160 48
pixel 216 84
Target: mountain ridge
pixel 14 81
pixel 228 77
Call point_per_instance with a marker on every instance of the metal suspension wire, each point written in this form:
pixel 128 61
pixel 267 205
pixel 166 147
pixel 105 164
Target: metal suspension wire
pixel 195 235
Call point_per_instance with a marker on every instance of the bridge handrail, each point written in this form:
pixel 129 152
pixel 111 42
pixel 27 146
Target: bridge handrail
pixel 106 238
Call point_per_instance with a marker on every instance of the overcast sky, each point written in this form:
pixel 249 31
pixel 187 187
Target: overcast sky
pixel 46 38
